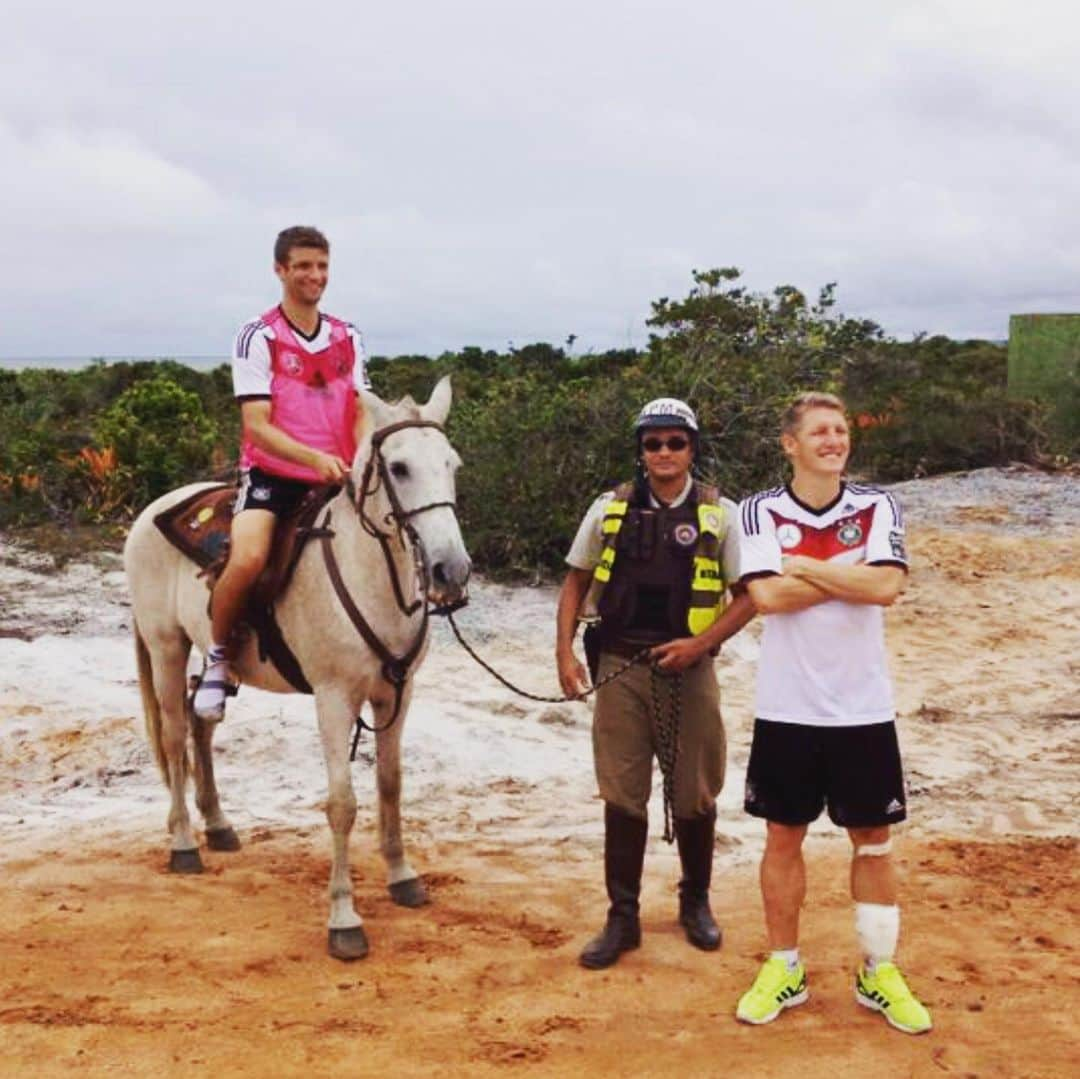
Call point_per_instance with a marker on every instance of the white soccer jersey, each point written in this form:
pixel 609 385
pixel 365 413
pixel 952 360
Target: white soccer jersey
pixel 251 356
pixel 826 665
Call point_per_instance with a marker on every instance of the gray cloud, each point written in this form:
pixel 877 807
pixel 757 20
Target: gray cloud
pixel 491 172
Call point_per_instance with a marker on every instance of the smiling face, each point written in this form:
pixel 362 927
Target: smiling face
pixel 304 277
pixel 820 442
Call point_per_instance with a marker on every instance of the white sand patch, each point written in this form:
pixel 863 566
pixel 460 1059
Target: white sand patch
pixel 982 650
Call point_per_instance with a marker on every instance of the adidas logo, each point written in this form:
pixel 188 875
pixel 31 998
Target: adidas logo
pixel 895 806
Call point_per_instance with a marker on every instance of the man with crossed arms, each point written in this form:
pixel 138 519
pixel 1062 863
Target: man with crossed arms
pixel 821 556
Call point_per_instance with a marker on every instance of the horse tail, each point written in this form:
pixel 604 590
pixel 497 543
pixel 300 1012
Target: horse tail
pixel 151 708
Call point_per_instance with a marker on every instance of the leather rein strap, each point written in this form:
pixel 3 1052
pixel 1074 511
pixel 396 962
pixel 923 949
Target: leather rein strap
pixel 395 669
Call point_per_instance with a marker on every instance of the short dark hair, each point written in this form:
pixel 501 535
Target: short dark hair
pixel 298 236
pixel 793 414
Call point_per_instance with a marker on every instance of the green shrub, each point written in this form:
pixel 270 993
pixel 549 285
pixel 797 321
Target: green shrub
pixel 160 433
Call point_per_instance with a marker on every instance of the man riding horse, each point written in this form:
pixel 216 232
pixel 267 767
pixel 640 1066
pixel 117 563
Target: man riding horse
pixel 296 373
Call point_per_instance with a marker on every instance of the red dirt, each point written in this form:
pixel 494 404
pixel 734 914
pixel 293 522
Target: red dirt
pixel 109 964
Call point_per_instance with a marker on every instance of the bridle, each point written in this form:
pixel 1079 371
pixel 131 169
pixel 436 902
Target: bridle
pixel 377 471
pixel 395 669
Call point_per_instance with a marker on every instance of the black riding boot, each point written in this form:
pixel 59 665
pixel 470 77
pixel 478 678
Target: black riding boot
pixel 624 856
pixel 696 837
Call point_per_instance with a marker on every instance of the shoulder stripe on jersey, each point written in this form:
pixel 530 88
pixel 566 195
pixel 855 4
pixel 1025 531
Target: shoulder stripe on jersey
pixel 870 489
pixel 750 519
pixel 243 341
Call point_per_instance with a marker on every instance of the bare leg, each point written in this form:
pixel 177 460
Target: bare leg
pixel 249 548
pixel 873 876
pixel 252 534
pixel 783 883
pixel 346 939
pixel 406 888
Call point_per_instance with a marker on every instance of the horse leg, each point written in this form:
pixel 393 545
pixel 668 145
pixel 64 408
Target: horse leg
pixel 168 659
pixel 346 938
pixel 219 833
pixel 406 887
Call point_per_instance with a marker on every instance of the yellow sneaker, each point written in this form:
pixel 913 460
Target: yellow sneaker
pixel 774 989
pixel 886 991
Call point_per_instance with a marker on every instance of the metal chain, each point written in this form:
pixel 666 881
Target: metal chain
pixel 667 729
pixel 637 657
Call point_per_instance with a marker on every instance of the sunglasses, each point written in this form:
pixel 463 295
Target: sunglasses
pixel 675 444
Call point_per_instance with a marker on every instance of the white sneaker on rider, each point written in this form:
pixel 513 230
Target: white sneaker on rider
pixel 214 687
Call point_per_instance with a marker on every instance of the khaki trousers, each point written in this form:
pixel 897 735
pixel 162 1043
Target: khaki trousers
pixel 625 738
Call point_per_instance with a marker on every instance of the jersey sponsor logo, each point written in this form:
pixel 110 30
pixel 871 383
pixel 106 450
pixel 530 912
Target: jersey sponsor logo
pixel 849 533
pixel 833 537
pixel 788 535
pixel 685 535
pixel 896 545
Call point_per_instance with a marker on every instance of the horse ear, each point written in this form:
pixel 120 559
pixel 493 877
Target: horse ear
pixel 438 406
pixel 376 413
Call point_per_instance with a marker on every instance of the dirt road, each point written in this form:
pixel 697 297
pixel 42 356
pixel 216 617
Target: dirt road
pixel 111 966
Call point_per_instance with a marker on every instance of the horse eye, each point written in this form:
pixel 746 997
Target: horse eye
pixel 399 470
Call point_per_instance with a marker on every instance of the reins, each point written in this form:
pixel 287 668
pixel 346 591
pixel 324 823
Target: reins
pixel 637 657
pixel 395 668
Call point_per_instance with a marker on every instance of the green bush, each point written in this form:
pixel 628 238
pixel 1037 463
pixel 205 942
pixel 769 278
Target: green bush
pixel 542 431
pixel 160 433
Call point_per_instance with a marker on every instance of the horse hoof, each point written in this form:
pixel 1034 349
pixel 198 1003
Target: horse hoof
pixel 409 893
pixel 185 861
pixel 347 944
pixel 222 839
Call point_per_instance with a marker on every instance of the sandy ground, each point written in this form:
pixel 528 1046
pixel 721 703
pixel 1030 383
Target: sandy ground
pixel 110 965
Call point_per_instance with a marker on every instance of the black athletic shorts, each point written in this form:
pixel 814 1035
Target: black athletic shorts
pixel 796 770
pixel 261 490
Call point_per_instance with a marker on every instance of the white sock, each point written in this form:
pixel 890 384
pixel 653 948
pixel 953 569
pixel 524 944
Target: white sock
pixel 878 929
pixel 789 955
pixel 216 653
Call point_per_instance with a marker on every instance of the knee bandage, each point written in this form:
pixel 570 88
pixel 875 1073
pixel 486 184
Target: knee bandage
pixel 873 850
pixel 878 928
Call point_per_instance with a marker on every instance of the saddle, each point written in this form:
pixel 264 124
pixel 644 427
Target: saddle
pixel 199 527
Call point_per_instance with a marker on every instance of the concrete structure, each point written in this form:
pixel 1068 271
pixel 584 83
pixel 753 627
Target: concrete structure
pixel 1044 363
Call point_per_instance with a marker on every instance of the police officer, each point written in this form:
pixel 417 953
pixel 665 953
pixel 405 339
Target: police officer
pixel 652 567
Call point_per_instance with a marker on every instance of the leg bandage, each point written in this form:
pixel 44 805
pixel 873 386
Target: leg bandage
pixel 878 927
pixel 873 850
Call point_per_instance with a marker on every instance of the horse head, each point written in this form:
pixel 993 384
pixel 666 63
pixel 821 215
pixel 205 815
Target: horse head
pixel 406 448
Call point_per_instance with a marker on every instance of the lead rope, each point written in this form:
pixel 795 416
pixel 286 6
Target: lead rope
pixel 667 730
pixel 637 657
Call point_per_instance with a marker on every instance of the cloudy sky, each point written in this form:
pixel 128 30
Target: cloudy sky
pixel 511 170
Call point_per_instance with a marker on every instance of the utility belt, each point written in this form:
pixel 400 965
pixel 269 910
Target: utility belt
pixel 625 649
pixel 622 647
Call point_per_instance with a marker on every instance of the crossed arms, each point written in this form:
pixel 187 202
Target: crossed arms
pixel 806 582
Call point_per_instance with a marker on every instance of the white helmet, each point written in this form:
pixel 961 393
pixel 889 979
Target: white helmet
pixel 667 412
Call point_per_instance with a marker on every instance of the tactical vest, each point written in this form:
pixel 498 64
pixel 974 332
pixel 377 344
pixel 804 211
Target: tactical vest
pixel 660 574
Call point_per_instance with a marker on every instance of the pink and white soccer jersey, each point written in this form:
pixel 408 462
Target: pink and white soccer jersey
pixel 826 665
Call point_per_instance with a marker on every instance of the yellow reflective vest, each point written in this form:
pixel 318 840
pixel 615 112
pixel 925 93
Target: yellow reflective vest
pixel 708 588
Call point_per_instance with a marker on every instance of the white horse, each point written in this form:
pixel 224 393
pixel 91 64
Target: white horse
pixel 395 537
